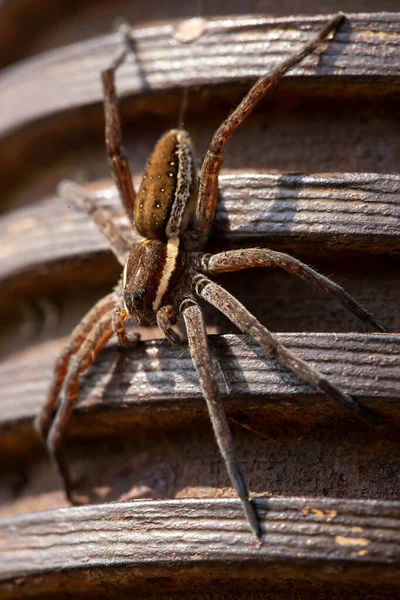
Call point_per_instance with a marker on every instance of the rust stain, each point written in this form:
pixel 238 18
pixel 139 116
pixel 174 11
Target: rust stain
pixel 319 513
pixel 350 541
pixel 190 29
pixel 379 34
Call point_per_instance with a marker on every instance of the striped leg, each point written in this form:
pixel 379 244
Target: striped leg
pixel 80 362
pixel 208 190
pixel 198 346
pixel 117 160
pixel 236 260
pixel 240 316
pixel 119 244
pixel 76 339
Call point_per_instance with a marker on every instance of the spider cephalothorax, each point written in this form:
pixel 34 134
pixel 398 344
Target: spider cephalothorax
pixel 163 210
pixel 167 273
pixel 151 272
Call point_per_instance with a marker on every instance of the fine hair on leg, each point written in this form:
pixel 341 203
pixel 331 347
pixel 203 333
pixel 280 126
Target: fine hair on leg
pixel 80 362
pixel 118 242
pixel 247 323
pixel 208 190
pixel 117 160
pixel 198 346
pixel 235 260
pixel 103 307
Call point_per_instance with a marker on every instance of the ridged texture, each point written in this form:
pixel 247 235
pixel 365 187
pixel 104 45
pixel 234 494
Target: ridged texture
pixel 362 534
pixel 354 210
pixel 229 49
pixel 367 365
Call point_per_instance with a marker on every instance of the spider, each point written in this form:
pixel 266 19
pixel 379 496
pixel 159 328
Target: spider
pixel 168 273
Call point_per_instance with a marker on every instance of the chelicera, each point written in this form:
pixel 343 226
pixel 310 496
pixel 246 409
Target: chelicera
pixel 168 273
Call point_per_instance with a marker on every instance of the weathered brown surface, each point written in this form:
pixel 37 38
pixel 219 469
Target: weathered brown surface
pixel 306 125
pixel 141 429
pixel 228 50
pixel 356 211
pixel 305 539
pixel 157 374
pixel 52 245
pixel 47 24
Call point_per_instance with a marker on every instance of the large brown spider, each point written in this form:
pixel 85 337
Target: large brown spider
pixel 167 273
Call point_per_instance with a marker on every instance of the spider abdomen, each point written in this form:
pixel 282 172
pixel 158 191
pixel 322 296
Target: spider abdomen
pixel 167 195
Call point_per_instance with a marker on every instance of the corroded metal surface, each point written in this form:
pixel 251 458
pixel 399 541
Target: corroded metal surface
pixel 337 211
pixel 157 374
pixel 140 430
pixel 326 539
pixel 229 49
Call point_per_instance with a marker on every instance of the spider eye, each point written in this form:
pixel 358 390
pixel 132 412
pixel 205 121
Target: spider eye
pixel 137 296
pixel 134 300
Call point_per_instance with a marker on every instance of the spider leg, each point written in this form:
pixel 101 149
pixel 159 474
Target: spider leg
pixel 165 316
pixel 119 316
pixel 75 341
pixel 120 245
pixel 118 162
pixel 198 346
pixel 80 362
pixel 236 260
pixel 208 191
pixel 244 320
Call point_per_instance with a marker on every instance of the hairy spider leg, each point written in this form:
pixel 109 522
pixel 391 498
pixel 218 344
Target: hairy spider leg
pixel 117 160
pixel 198 346
pixel 235 260
pixel 247 323
pixel 87 340
pixel 208 190
pixel 75 341
pixel 165 317
pixel 119 244
pixel 80 362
